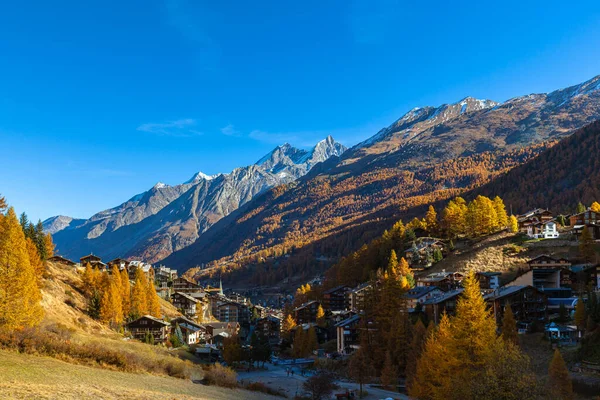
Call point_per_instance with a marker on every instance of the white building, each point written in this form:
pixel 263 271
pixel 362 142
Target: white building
pixel 543 230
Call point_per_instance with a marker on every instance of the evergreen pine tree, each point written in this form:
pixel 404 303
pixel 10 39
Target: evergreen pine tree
pixel 560 385
pixel 20 295
pixel 24 222
pixel 94 304
pixel 40 240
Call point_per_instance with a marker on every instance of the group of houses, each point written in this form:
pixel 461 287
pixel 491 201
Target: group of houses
pixel 540 223
pixel 535 296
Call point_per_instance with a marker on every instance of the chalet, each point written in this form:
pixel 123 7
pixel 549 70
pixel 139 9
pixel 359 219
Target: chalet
pixel 562 334
pixel 593 229
pixel 164 275
pixel 61 260
pixel 185 303
pixel 192 332
pixel 356 297
pixel 536 216
pixel 217 331
pixel 528 304
pixel 146 268
pixel 585 218
pixel 119 262
pixel 348 335
pixel 545 261
pixel 543 230
pixel 228 311
pixel 183 285
pixel 94 261
pixel 436 306
pixel 147 324
pixel 443 280
pixel 420 294
pixel 307 312
pixel 335 299
pixel 488 280
pixel 421 252
pixel 270 327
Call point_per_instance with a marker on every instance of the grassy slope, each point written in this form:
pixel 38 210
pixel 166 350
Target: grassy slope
pixel 26 376
pixel 31 377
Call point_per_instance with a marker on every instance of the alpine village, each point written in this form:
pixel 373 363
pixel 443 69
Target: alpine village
pixel 442 268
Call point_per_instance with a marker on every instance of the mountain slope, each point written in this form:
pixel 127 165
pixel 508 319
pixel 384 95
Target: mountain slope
pixel 167 218
pixel 557 179
pixel 427 155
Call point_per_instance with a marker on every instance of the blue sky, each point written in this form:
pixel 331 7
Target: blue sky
pixel 99 100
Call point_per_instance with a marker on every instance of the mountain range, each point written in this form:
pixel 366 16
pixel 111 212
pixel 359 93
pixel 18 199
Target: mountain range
pixel 164 219
pixel 429 154
pixel 327 202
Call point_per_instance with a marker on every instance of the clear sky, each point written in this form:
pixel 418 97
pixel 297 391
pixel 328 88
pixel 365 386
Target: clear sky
pixel 99 100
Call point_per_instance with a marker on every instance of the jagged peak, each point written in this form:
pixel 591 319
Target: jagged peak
pixel 198 176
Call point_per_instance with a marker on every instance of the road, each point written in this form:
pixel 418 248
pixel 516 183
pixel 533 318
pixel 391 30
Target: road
pixel 277 378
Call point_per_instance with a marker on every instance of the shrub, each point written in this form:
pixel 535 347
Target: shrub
pixel 261 387
pixel 219 375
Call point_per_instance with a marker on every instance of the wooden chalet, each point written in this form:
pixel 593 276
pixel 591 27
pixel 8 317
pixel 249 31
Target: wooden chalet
pixel 335 299
pixel 146 268
pixel 545 261
pixel 533 217
pixel 356 297
pixel 420 294
pixel 348 335
pixel 62 260
pixel 119 262
pixel 528 304
pixel 593 229
pixel 270 326
pixel 443 280
pixel 158 328
pixel 185 303
pixel 184 285
pixel 307 312
pixel 488 280
pixel 94 261
pixel 436 306
pixel 585 218
pixel 192 332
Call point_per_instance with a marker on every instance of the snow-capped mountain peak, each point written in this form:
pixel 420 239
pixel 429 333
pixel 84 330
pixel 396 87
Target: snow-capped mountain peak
pixel 198 176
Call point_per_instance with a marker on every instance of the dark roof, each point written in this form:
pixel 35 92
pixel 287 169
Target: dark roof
pixel 91 256
pixel 490 273
pixel 306 305
pixel 444 297
pixel 150 317
pixel 186 296
pixel 420 291
pixel 335 289
pixel 347 321
pixel 61 259
pixel 506 291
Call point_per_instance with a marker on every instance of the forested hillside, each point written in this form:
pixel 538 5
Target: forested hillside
pixel 558 178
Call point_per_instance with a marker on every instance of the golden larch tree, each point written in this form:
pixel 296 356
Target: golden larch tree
pixel 125 292
pixel 513 224
pixel 501 216
pixel 509 327
pixel 559 384
pixel 595 207
pixel 111 310
pixel 153 300
pixel 431 220
pixel 139 301
pixel 38 265
pixel 20 295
